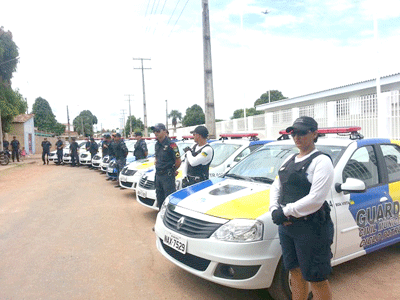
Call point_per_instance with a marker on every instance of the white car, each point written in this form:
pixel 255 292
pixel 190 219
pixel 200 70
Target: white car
pixel 221 229
pixel 67 154
pixel 133 172
pixel 85 157
pixel 53 154
pixel 226 154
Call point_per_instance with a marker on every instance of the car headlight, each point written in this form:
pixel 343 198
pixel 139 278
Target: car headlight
pixel 163 208
pixel 240 230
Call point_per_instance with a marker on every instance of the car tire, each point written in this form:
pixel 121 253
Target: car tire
pixel 280 287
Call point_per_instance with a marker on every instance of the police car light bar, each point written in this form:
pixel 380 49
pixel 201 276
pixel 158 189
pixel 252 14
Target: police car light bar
pixel 187 137
pixel 237 135
pixel 352 130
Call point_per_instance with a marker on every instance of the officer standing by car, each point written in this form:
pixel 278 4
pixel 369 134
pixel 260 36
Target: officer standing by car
pixel 73 149
pixel 198 158
pixel 167 162
pixel 15 148
pixel 298 205
pixel 120 151
pixel 105 145
pixel 46 145
pixel 140 151
pixel 93 149
pixel 59 147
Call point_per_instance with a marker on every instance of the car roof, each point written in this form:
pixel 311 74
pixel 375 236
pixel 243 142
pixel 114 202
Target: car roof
pixel 336 141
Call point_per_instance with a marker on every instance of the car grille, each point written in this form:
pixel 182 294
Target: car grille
pixel 126 183
pixel 106 160
pixel 147 201
pixel 128 172
pixel 147 184
pixel 96 164
pixel 191 227
pixel 190 260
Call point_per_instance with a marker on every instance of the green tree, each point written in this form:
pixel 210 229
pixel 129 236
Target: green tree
pixel 137 125
pixel 44 118
pixel 8 56
pixel 275 96
pixel 194 116
pixel 11 104
pixel 175 116
pixel 237 114
pixel 83 123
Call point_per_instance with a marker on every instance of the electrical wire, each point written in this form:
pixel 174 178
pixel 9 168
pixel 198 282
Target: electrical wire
pixel 162 9
pixel 179 17
pixel 173 11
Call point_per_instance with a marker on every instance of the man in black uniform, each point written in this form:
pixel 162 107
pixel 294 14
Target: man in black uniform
pixel 140 151
pixel 167 162
pixel 73 149
pixel 105 145
pixel 15 148
pixel 111 152
pixel 198 158
pixel 59 147
pixel 93 149
pixel 120 151
pixel 46 145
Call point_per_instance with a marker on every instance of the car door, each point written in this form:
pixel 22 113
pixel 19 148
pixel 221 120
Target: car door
pixel 357 213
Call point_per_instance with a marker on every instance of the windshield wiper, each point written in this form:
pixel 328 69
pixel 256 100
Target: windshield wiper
pixel 262 179
pixel 235 176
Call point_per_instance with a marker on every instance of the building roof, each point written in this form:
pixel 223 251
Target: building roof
pixel 23 118
pixel 388 83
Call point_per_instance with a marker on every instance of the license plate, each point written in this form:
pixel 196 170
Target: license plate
pixel 122 178
pixel 176 242
pixel 142 193
pixel 109 170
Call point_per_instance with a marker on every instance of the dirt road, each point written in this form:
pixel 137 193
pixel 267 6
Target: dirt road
pixel 67 233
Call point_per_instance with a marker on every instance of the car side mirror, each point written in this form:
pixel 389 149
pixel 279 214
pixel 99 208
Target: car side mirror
pixel 352 185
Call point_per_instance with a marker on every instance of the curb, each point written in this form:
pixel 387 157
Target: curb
pixel 12 165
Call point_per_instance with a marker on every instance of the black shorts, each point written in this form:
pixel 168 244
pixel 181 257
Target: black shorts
pixel 307 245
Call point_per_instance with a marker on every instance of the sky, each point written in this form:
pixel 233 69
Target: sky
pixel 81 54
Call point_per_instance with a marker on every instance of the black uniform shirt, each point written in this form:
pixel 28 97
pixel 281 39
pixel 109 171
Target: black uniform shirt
pixel 74 147
pixel 120 150
pixel 105 148
pixel 15 144
pixel 5 145
pixel 46 146
pixel 140 149
pixel 94 148
pixel 167 153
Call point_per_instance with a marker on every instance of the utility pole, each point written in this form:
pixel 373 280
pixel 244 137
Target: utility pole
pixel 166 113
pixel 83 128
pixel 208 79
pixel 144 94
pixel 69 134
pixel 130 116
pixel 123 120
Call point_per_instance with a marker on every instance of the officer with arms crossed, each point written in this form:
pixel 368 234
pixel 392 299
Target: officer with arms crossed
pixel 46 145
pixel 105 145
pixel 198 158
pixel 120 151
pixel 73 148
pixel 168 160
pixel 15 148
pixel 59 146
pixel 140 147
pixel 298 206
pixel 93 149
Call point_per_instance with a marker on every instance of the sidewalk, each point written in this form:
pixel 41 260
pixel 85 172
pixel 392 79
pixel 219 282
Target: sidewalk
pixel 30 159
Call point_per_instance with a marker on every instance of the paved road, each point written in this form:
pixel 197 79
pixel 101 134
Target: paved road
pixel 67 233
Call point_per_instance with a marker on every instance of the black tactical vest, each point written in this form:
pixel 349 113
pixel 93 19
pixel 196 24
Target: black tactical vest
pixel 201 171
pixel 294 181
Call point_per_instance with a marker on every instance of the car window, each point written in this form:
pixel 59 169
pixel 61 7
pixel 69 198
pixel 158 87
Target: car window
pixel 246 152
pixel 362 165
pixel 222 151
pixel 391 155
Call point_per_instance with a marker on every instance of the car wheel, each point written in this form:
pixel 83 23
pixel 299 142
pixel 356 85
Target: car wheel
pixel 280 287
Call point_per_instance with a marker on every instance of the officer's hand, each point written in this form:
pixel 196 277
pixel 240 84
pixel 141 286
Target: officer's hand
pixel 176 173
pixel 278 217
pixel 186 149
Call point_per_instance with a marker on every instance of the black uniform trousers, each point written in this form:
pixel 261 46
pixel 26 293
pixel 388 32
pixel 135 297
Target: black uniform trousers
pixel 165 185
pixel 15 153
pixel 74 159
pixel 44 153
pixel 120 165
pixel 60 156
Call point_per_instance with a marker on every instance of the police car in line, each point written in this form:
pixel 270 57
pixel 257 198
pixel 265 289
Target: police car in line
pixel 53 154
pixel 111 170
pixel 132 173
pixel 85 158
pixel 67 155
pixel 221 229
pixel 227 152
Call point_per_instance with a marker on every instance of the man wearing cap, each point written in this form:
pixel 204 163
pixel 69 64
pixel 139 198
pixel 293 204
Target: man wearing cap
pixel 93 149
pixel 198 158
pixel 167 161
pixel 15 148
pixel 120 151
pixel 298 207
pixel 73 150
pixel 140 151
pixel 59 147
pixel 46 145
pixel 105 145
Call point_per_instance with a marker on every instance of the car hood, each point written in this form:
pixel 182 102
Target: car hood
pixel 225 198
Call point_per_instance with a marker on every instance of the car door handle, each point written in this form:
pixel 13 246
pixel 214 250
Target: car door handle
pixel 383 199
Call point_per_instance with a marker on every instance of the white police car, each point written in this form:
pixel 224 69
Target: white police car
pixel 67 154
pixel 221 229
pixel 226 154
pixel 53 154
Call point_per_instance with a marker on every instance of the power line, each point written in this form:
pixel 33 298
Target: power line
pixel 152 8
pixel 158 2
pixel 179 17
pixel 148 4
pixel 165 1
pixel 173 11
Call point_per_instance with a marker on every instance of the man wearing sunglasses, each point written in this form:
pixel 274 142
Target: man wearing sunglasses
pixel 167 161
pixel 298 206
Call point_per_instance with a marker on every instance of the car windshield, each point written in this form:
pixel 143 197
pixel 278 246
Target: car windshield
pixel 130 144
pixel 151 148
pixel 221 152
pixel 263 165
pixel 183 145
